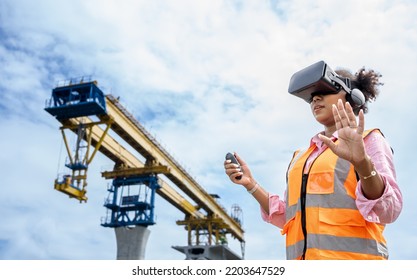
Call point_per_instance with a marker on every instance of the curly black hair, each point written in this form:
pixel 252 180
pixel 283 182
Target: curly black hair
pixel 366 81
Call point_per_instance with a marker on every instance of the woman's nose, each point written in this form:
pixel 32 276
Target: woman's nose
pixel 316 98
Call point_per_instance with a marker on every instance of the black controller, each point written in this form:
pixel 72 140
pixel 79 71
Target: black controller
pixel 232 158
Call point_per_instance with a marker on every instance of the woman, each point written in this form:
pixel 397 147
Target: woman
pixel 341 190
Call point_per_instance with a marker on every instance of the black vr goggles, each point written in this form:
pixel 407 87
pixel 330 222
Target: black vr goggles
pixel 319 78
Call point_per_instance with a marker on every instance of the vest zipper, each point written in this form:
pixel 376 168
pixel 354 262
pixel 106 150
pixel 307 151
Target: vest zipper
pixel 303 194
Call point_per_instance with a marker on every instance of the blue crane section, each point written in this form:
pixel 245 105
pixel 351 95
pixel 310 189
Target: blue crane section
pixel 136 207
pixel 76 98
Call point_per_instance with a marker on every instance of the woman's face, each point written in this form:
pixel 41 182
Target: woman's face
pixel 321 107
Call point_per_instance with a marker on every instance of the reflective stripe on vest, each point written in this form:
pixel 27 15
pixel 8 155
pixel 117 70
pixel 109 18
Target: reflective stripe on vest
pixel 334 227
pixel 352 248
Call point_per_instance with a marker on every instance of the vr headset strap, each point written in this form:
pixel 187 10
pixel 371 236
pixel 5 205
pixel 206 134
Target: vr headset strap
pixel 345 83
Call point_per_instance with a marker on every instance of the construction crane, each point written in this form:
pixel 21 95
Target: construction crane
pixel 82 108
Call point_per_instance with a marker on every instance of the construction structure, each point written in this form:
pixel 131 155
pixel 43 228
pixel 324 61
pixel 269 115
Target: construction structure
pixel 97 120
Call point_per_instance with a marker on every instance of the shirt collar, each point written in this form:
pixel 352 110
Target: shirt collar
pixel 318 143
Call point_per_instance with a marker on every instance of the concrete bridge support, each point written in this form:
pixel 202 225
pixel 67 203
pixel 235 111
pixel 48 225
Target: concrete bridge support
pixel 131 242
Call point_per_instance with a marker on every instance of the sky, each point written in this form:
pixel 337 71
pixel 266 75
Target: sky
pixel 205 78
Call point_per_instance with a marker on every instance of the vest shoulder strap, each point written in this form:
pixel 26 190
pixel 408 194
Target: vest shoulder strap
pixel 368 131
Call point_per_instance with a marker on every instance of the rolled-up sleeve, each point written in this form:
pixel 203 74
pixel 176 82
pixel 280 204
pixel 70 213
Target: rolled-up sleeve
pixel 387 208
pixel 276 215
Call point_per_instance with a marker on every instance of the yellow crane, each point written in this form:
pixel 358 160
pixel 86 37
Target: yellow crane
pixel 82 108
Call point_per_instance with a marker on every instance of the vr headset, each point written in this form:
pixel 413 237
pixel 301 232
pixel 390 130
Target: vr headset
pixel 319 78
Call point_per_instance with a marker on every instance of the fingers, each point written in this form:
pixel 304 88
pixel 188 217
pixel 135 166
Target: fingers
pixel 228 165
pixel 235 176
pixel 337 118
pixel 328 142
pixel 350 115
pixel 361 125
pixel 344 116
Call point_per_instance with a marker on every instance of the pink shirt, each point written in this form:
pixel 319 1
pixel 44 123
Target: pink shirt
pixel 384 210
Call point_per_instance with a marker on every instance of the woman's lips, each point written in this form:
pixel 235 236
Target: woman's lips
pixel 317 108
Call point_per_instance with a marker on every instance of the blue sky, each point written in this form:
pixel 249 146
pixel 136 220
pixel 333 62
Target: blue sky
pixel 204 77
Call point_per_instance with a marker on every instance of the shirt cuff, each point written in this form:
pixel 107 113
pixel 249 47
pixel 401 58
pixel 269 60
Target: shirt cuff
pixel 366 206
pixel 276 214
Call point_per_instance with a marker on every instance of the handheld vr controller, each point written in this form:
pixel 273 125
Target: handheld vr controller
pixel 232 158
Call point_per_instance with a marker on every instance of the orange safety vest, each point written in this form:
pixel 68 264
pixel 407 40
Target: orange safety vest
pixel 322 220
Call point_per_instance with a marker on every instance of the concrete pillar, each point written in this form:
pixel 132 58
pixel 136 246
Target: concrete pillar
pixel 131 242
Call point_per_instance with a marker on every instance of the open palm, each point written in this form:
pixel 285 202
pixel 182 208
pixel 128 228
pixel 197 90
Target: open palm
pixel 350 145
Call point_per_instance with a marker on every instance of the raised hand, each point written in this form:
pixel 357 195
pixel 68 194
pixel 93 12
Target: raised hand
pixel 350 145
